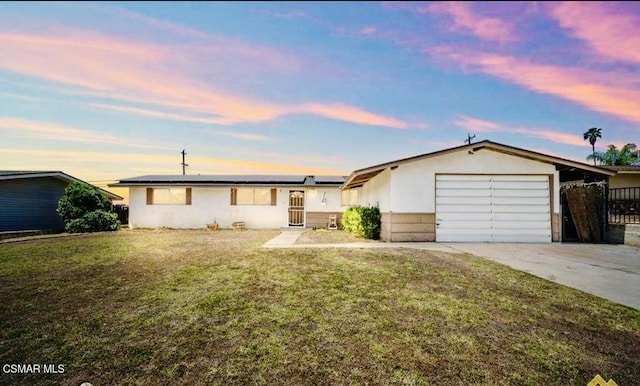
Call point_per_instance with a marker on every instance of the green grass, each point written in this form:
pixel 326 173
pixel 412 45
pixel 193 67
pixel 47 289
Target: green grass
pixel 198 307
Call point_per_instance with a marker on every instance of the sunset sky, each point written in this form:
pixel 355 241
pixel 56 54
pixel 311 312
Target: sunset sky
pixel 105 91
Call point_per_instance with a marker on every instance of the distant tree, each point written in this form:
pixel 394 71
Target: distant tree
pixel 627 155
pixel 83 208
pixel 592 135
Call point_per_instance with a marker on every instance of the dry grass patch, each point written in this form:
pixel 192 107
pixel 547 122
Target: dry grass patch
pixel 197 307
pixel 325 236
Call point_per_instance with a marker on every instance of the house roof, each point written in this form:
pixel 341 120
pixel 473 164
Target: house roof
pixel 231 180
pixel 21 174
pixel 361 176
pixel 630 169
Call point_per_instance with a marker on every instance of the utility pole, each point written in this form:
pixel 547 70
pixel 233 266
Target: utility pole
pixel 183 164
pixel 469 138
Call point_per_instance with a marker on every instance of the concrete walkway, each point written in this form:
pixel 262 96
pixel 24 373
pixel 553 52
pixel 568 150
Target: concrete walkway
pixel 608 271
pixel 285 239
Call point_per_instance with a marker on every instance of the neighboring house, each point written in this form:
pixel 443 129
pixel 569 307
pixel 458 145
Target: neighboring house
pixel 624 194
pixel 194 201
pixel 28 199
pixel 482 192
pixel 626 176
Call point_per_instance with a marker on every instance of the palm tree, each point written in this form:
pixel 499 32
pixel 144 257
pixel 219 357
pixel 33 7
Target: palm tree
pixel 626 156
pixel 592 135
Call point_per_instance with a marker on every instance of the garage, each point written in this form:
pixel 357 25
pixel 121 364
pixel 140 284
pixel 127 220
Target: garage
pixel 479 192
pixel 493 208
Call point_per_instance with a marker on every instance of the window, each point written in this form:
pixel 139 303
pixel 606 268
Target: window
pixel 251 196
pixel 168 196
pixel 349 197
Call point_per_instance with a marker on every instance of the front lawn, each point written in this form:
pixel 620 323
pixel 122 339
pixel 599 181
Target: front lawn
pixel 199 307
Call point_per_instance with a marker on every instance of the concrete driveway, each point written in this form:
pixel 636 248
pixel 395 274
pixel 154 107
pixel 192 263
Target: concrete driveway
pixel 608 271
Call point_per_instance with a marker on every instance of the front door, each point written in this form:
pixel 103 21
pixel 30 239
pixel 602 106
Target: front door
pixel 296 208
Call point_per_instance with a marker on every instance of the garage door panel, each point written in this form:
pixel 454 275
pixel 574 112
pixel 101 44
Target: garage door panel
pixel 521 209
pixel 520 184
pixel 465 224
pixel 464 177
pixel 442 200
pixel 505 226
pixel 464 184
pixel 465 216
pixel 518 201
pixel 522 231
pixel 520 216
pixel 466 193
pixel 494 208
pixel 532 193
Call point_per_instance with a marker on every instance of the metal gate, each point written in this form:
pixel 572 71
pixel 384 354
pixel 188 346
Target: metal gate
pixel 296 208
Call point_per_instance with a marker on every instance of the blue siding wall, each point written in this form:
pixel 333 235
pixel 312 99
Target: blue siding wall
pixel 30 204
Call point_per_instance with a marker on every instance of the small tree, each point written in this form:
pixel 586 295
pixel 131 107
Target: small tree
pixel 83 208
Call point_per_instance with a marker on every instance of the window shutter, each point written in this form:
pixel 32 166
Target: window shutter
pixel 149 196
pixel 274 197
pixel 234 195
pixel 188 196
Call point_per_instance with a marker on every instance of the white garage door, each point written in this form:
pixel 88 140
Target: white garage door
pixel 492 208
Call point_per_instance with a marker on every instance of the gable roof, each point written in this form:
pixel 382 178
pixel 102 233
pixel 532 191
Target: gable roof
pixel 231 180
pixel 361 176
pixel 22 174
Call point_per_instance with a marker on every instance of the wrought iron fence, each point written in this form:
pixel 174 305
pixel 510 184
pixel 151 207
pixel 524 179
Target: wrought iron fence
pixel 624 206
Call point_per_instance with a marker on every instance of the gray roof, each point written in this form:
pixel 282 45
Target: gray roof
pixel 227 180
pixel 19 174
pixel 9 173
pixel 629 168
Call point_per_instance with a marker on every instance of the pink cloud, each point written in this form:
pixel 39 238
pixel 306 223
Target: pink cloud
pixel 611 93
pixel 612 34
pixel 353 114
pixel 479 125
pixel 43 130
pixel 369 30
pixel 464 19
pixel 144 73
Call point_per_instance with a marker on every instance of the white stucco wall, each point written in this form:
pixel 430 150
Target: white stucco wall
pixel 377 192
pixel 333 199
pixel 411 186
pixel 214 203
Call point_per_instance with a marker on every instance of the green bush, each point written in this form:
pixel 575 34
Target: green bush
pixel 95 221
pixel 83 208
pixel 362 221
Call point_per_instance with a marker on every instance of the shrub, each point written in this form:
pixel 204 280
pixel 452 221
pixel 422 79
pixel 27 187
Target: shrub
pixel 362 221
pixel 96 221
pixel 83 208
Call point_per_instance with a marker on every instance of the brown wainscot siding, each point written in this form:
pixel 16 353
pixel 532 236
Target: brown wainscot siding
pixel 408 227
pixel 321 219
pixel 555 227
